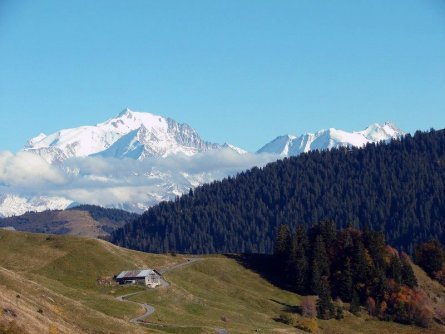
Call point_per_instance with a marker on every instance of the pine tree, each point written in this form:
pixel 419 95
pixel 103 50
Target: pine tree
pixel 355 303
pixel 395 269
pixel 283 240
pixel 359 265
pixel 320 264
pixel 329 233
pixel 375 243
pixel 301 262
pixel 325 307
pixel 380 287
pixel 345 286
pixel 407 273
pixel 282 247
pixel 315 278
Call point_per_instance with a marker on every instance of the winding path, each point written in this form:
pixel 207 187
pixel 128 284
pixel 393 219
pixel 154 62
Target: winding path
pixel 148 308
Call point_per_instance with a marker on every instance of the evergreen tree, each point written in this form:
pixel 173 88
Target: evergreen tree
pixel 301 262
pixel 325 307
pixel 359 265
pixel 320 264
pixel 407 273
pixel 380 287
pixel 395 269
pixel 315 278
pixel 328 232
pixel 354 308
pixel 283 244
pixel 375 243
pixel 345 287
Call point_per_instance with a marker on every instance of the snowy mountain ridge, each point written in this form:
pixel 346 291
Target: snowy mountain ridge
pixel 131 134
pixel 14 205
pixel 153 159
pixel 290 145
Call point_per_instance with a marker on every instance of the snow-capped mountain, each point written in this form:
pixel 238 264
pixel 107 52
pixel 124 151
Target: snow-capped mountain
pixel 131 134
pixel 153 159
pixel 13 205
pixel 289 145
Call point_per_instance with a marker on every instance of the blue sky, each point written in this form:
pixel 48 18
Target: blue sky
pixel 237 71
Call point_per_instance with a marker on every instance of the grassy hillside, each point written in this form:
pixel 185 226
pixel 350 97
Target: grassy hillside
pixel 58 276
pixel 49 284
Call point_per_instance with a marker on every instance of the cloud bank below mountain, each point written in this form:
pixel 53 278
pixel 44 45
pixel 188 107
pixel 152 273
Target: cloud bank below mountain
pixel 127 183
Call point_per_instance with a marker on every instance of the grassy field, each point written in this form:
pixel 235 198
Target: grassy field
pixel 62 284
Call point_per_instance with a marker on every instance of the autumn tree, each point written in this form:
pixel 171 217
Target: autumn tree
pixel 308 307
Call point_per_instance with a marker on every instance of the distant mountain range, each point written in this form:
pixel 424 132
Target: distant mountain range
pixel 140 136
pixel 289 145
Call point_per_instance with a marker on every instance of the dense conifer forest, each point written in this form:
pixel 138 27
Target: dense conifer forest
pixel 396 188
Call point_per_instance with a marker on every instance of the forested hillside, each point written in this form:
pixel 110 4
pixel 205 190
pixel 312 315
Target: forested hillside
pixel 397 188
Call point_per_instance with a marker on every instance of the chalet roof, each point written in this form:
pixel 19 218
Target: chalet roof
pixel 135 273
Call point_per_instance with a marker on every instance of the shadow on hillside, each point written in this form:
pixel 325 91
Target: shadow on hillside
pixel 263 265
pixel 287 307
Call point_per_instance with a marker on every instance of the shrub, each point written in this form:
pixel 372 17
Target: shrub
pixel 307 325
pixel 411 306
pixel 339 313
pixel 286 318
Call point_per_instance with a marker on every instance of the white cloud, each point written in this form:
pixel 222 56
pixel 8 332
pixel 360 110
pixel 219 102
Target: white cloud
pixel 27 169
pixel 113 182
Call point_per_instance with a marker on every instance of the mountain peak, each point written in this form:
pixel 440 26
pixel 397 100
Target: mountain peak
pixel 288 145
pixel 382 132
pixel 35 140
pixel 234 148
pixel 131 134
pixel 124 112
